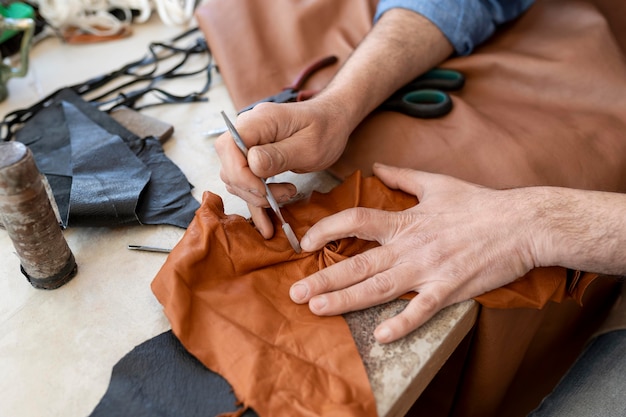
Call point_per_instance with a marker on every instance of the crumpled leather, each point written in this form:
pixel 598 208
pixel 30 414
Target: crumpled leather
pixel 544 103
pixel 100 173
pixel 225 291
pixel 142 381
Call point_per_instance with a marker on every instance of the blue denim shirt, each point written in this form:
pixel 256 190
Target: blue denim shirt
pixel 466 23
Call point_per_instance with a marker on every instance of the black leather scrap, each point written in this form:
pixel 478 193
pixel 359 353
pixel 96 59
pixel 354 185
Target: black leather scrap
pixel 160 378
pixel 100 173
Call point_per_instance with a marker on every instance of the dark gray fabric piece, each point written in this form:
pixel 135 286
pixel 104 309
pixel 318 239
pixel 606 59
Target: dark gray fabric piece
pixel 167 196
pixel 102 192
pixel 160 378
pixel 109 186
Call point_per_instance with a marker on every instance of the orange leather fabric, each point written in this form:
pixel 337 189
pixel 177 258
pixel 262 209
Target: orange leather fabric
pixel 225 291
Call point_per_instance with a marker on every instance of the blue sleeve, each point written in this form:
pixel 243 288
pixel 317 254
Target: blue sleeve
pixel 466 23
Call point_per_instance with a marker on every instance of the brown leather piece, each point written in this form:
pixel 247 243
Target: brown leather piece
pixel 544 104
pixel 260 47
pixel 518 355
pixel 225 291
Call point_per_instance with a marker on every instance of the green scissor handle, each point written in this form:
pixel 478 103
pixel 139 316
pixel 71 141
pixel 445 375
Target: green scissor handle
pixel 426 104
pixel 426 97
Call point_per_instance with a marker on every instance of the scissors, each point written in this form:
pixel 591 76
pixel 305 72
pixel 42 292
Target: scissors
pixel 293 92
pixel 291 236
pixel 425 97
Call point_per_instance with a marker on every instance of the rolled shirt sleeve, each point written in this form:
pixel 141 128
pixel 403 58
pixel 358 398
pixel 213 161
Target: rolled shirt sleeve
pixel 466 23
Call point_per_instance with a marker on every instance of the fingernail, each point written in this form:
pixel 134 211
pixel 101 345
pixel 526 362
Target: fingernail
pixel 291 192
pixel 256 192
pixel 383 334
pixel 298 292
pixel 263 159
pixel 305 242
pixel 318 303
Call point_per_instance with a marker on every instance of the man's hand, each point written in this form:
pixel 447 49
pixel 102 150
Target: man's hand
pixel 301 137
pixel 460 241
pixel 311 135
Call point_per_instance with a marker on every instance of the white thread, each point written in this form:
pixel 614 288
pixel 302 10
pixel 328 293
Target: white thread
pixel 94 16
pixel 91 16
pixel 175 12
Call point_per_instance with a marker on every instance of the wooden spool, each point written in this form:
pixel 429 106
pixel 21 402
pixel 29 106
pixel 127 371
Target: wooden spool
pixel 27 215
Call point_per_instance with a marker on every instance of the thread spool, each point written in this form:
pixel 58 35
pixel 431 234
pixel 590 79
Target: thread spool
pixel 27 215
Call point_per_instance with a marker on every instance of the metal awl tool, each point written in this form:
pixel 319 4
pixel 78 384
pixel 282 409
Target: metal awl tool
pixel 291 236
pixel 149 248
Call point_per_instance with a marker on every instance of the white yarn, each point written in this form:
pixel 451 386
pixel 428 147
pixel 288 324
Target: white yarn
pixel 93 16
pixel 175 12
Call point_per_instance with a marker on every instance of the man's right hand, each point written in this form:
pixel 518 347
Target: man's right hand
pixel 311 135
pixel 302 137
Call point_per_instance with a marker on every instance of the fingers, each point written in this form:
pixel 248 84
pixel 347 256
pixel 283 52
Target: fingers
pixel 366 280
pixel 364 223
pixel 417 312
pixel 236 174
pixel 261 221
pixel 262 130
pixel 417 183
pixel 405 179
pixel 335 295
pixel 282 192
pixel 299 137
pixel 300 152
pixel 342 275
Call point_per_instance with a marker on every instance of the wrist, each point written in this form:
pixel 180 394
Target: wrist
pixel 562 228
pixel 342 114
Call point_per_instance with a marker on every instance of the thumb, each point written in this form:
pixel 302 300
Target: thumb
pixel 268 160
pixel 296 153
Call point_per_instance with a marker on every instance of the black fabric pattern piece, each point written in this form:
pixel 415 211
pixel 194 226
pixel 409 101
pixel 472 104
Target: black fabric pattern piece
pixel 160 378
pixel 100 173
pixel 168 186
pixel 102 191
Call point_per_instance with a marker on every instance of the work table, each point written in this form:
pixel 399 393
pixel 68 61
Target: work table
pixel 57 347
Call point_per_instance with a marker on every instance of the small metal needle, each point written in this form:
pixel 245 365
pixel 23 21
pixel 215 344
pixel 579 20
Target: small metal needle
pixel 149 248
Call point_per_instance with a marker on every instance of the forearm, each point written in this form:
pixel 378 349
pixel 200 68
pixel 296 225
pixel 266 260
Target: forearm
pixel 584 230
pixel 466 23
pixel 401 46
pixel 409 38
